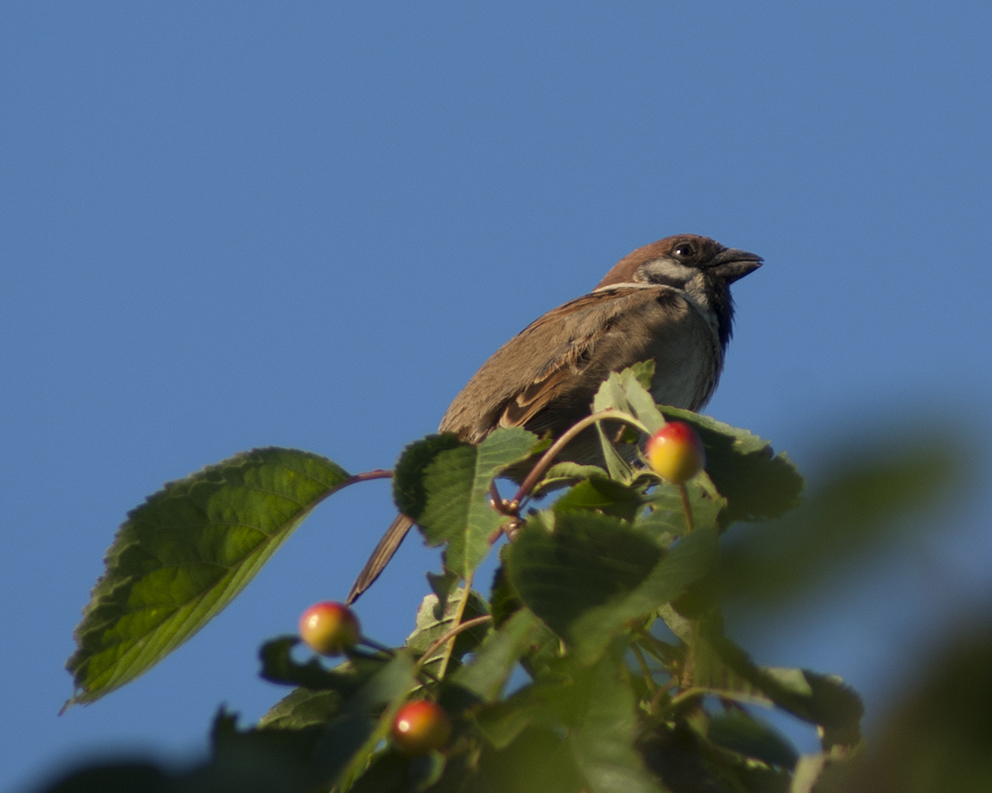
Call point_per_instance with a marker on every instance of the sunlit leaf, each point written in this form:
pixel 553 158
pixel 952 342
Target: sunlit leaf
pixel 185 553
pixel 431 626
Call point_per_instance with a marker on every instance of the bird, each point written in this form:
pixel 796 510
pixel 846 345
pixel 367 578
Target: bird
pixel 668 301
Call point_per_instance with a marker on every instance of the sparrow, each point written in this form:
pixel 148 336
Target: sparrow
pixel 668 301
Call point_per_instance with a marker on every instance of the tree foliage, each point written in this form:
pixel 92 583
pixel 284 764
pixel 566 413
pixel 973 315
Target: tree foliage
pixel 596 660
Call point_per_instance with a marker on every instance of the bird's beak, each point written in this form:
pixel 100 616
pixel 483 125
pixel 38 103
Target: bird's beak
pixel 732 264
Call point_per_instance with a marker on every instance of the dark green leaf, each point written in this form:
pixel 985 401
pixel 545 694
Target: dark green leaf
pixel 538 761
pixel 687 562
pixel 602 495
pixel 458 509
pixel 408 478
pixel 603 733
pixel 504 601
pixel 593 574
pixel 723 668
pixel 937 736
pixel 349 741
pixel 114 778
pixel 742 733
pixel 489 670
pixel 301 708
pixel 392 772
pixel 757 483
pixel 585 562
pixel 185 553
pixel 286 755
pixel 278 666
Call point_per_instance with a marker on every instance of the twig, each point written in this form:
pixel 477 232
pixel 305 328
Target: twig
pixel 366 476
pixel 645 669
pixel 458 618
pixel 546 459
pixel 451 634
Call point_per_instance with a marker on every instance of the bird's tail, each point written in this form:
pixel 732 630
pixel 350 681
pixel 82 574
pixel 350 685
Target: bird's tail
pixel 380 556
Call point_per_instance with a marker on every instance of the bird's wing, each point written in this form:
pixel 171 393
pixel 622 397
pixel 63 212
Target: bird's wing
pixel 561 358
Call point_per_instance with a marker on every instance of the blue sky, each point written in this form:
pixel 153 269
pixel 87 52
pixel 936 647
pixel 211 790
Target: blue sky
pixel 229 225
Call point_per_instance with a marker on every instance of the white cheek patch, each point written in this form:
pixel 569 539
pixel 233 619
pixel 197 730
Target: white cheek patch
pixel 666 271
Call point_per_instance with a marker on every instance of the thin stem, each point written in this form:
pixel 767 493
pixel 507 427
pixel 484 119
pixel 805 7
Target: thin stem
pixel 542 465
pixel 367 476
pixel 465 626
pixel 376 646
pixel 685 506
pixel 662 690
pixel 645 669
pixel 458 618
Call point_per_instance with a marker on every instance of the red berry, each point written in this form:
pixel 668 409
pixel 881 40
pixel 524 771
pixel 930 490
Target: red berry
pixel 420 727
pixel 675 452
pixel 330 628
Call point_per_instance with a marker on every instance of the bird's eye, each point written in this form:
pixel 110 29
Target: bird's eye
pixel 685 250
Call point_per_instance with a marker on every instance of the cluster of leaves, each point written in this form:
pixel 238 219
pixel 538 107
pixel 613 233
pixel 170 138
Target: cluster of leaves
pixel 597 660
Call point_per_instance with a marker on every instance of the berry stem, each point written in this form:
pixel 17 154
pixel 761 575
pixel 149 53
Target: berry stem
pixel 685 506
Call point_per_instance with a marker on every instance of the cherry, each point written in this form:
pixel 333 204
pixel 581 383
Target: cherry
pixel 420 727
pixel 675 453
pixel 330 628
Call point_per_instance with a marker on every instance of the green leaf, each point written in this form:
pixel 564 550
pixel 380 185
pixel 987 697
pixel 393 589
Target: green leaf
pixel 666 518
pixel 603 732
pixel 636 385
pixel 537 761
pixel 562 475
pixel 279 666
pixel 686 563
pixel 585 562
pixel 611 396
pixel 392 772
pixel 721 667
pixel 301 708
pixel 431 626
pixel 594 573
pixel 602 495
pixel 408 478
pixel 757 483
pixel 245 757
pixel 458 509
pixel 489 670
pixel 442 585
pixel 185 553
pixel 350 740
